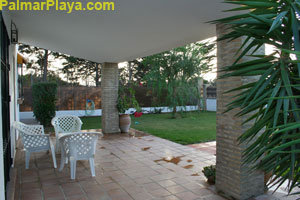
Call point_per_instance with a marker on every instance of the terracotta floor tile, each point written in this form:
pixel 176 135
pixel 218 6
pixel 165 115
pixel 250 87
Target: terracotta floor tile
pixel 202 192
pixel 77 198
pixel 118 194
pixel 127 183
pixel 51 189
pixel 166 183
pixel 54 195
pixel 192 186
pixel 72 189
pixel 214 197
pixel 92 194
pixel 172 197
pixel 110 186
pixel 31 196
pixel 88 183
pixel 187 196
pixel 160 192
pixel 141 196
pixel 176 189
pixel 123 171
pixel 30 185
pixel 151 186
pixel 142 180
pixel 103 180
pixel 31 191
pixel 49 182
pixel 133 189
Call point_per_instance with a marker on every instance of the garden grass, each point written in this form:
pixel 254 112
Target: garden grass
pixel 91 123
pixel 194 127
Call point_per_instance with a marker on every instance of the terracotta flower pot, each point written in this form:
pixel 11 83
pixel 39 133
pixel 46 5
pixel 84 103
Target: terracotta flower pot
pixel 124 123
pixel 268 177
pixel 211 180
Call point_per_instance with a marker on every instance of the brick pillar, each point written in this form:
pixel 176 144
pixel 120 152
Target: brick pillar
pixel 109 97
pixel 233 178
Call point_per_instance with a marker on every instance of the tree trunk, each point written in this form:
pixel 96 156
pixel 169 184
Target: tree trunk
pixel 130 74
pixel 199 87
pixel 97 74
pixel 45 66
pixel 174 103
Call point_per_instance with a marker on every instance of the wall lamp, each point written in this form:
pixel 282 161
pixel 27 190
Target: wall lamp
pixel 14 33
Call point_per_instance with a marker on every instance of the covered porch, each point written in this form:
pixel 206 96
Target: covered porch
pixel 128 167
pixel 140 167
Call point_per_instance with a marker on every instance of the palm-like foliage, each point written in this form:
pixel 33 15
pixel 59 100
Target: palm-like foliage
pixel 273 100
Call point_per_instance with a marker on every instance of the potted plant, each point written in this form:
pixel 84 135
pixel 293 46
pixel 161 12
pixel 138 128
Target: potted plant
pixel 210 173
pixel 126 101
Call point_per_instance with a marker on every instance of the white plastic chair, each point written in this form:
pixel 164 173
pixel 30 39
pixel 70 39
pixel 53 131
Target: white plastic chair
pixel 34 140
pixel 78 146
pixel 65 124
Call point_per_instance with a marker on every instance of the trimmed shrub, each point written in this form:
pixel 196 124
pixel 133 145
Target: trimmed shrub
pixel 44 100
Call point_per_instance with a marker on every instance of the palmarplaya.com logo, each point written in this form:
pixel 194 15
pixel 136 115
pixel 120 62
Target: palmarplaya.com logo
pixel 65 6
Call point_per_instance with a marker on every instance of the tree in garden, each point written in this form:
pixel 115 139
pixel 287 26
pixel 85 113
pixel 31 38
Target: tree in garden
pixel 27 79
pixel 134 72
pixel 44 100
pixel 174 72
pixel 74 68
pixel 77 68
pixel 41 64
pixel 273 100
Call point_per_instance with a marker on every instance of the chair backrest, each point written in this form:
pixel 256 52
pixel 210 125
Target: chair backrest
pixel 81 146
pixel 33 136
pixel 66 124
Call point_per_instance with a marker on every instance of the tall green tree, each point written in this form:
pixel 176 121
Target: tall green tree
pixel 41 62
pixel 135 71
pixel 273 100
pixel 174 71
pixel 76 68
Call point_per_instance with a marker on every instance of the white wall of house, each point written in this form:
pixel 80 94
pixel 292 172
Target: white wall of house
pixel 13 116
pixel 13 88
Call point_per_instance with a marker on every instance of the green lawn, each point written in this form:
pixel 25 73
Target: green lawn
pixel 195 127
pixel 91 123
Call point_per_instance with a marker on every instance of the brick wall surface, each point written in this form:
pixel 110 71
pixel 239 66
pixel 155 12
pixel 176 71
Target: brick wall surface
pixel 109 88
pixel 233 178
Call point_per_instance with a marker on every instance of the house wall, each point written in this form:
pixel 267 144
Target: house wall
pixel 13 106
pixel 2 186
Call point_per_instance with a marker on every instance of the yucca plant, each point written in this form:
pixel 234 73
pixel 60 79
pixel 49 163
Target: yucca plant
pixel 273 100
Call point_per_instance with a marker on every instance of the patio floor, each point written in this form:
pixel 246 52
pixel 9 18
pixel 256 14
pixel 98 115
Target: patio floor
pixel 127 167
pixel 139 167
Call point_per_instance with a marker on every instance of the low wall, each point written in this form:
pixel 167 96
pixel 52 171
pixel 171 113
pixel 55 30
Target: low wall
pixel 211 106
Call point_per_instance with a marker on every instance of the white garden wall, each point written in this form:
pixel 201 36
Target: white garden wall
pixel 211 106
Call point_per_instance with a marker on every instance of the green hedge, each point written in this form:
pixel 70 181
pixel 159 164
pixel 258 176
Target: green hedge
pixel 44 100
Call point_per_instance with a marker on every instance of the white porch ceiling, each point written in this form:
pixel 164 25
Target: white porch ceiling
pixel 136 28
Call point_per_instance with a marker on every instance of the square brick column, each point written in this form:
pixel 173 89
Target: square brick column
pixel 232 177
pixel 109 97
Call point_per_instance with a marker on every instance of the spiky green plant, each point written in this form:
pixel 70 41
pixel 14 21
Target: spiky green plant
pixel 273 100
